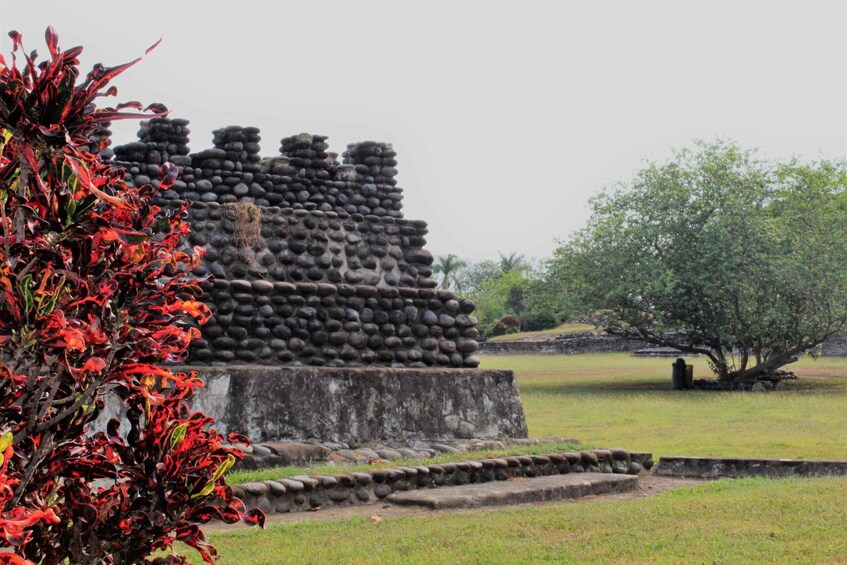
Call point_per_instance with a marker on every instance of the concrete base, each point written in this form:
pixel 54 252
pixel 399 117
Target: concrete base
pixel 500 493
pixel 718 467
pixel 361 404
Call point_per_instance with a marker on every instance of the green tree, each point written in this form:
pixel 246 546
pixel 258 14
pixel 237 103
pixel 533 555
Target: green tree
pixel 547 296
pixel 719 253
pixel 447 266
pixel 470 278
pixel 512 287
pixel 498 297
pixel 513 262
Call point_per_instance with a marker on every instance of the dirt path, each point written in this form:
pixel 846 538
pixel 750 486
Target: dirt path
pixel 649 484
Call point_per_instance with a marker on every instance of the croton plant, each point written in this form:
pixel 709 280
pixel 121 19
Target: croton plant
pixel 94 295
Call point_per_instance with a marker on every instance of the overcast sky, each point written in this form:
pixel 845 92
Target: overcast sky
pixel 506 116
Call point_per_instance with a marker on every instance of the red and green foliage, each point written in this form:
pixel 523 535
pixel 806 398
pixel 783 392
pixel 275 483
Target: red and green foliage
pixel 93 294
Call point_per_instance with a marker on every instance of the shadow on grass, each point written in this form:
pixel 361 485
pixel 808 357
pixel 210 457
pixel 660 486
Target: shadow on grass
pixel 808 386
pixel 600 387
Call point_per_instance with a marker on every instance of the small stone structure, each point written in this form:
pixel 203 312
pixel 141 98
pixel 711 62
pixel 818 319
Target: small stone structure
pixel 310 263
pixel 301 493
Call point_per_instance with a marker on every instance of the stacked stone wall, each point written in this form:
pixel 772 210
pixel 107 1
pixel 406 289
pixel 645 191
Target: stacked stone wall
pixel 159 140
pixel 233 171
pixel 373 163
pixel 287 245
pixel 336 325
pixel 310 262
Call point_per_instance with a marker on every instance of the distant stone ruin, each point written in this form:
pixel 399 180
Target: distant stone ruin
pixel 312 260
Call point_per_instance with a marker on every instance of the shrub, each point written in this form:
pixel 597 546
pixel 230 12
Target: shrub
pixel 506 325
pixel 93 294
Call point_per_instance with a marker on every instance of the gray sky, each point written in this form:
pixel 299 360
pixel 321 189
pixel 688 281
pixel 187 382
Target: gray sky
pixel 507 116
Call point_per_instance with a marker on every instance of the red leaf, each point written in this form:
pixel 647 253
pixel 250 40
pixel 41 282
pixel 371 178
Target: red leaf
pixel 94 365
pixel 131 104
pixel 74 340
pixel 84 177
pixel 157 108
pixel 254 517
pixel 71 54
pixel 52 39
pixel 100 75
pixel 153 46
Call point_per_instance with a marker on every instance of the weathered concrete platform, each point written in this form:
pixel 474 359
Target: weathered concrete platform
pixel 356 405
pixel 500 493
pixel 737 467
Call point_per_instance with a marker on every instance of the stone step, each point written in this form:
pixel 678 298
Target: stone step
pixel 499 493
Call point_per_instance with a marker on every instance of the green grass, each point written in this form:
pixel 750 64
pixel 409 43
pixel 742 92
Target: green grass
pixel 751 520
pixel 567 328
pixel 237 477
pixel 616 400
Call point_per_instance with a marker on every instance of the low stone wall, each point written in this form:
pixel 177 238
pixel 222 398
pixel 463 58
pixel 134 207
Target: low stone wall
pixel 335 325
pixel 717 468
pixel 568 344
pixel 835 346
pixel 307 493
pixel 363 404
pixel 286 452
pixel 283 244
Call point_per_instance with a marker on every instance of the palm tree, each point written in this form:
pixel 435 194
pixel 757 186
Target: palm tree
pixel 447 266
pixel 512 261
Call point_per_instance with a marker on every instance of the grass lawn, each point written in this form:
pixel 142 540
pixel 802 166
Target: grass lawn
pixel 616 400
pixel 750 520
pixel 567 328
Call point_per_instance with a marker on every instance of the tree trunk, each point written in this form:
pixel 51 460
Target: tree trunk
pixel 750 375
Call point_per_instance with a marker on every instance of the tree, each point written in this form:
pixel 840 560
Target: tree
pixel 470 278
pixel 511 287
pixel 93 294
pixel 447 266
pixel 498 297
pixel 513 262
pixel 547 297
pixel 718 253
